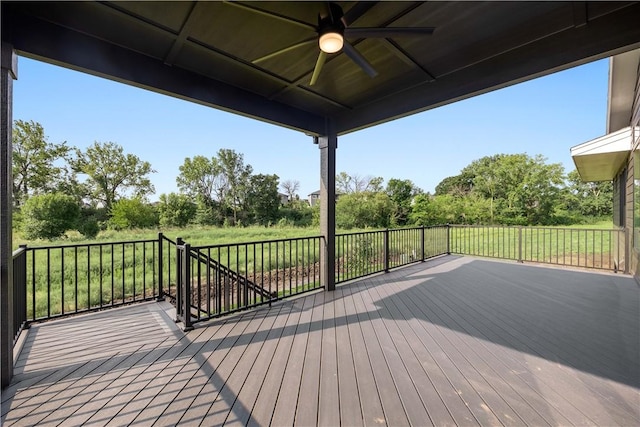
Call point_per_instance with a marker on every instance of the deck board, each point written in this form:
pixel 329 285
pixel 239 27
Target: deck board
pixel 266 397
pixel 368 394
pixel 452 341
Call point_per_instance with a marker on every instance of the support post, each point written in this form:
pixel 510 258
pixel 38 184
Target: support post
pixel 179 243
pixel 328 144
pixel 160 267
pixel 9 73
pixel 520 244
pixel 186 288
pixel 627 250
pixel 448 239
pixel 386 250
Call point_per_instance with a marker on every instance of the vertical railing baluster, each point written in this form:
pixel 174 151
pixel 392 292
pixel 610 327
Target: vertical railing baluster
pixel 62 281
pixel 113 273
pixel 270 280
pixel 101 275
pixel 219 289
pixel 290 262
pixel 133 292
pixel 144 270
pixel 124 280
pixel 33 284
pixel 48 282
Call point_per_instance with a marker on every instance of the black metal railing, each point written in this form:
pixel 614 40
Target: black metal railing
pixel 70 279
pixel 364 253
pixel 222 279
pixel 574 247
pixel 54 281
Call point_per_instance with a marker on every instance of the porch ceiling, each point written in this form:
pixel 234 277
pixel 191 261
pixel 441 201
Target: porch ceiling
pixel 204 51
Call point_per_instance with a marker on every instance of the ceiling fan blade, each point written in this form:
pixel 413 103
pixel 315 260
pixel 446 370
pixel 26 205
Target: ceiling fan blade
pixel 388 32
pixel 359 9
pixel 355 56
pixel 285 50
pixel 271 14
pixel 322 57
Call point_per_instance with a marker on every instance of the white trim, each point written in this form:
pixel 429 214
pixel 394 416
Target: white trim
pixel 602 158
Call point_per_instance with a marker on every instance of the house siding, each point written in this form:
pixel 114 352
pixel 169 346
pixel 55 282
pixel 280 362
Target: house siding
pixel 630 203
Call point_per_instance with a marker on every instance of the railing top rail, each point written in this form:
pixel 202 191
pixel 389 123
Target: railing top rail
pixel 84 245
pixel 19 251
pixel 382 230
pixel 168 239
pixel 227 245
pixel 534 227
pixel 360 233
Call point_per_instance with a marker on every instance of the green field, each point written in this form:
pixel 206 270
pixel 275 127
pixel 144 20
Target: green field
pixel 193 235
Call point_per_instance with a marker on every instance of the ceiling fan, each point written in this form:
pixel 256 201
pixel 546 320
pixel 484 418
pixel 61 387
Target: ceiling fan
pixel 334 29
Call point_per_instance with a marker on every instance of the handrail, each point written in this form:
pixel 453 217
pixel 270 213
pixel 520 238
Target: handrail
pixel 227 271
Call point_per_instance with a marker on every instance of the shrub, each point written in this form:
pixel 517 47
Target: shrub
pixel 132 213
pixel 89 227
pixel 176 210
pixel 48 216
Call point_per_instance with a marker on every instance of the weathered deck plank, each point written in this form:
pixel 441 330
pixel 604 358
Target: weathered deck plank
pixel 455 341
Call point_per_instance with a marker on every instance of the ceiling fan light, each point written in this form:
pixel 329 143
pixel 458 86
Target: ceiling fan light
pixel 331 42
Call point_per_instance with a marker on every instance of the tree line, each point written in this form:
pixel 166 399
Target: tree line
pixel 505 189
pixel 58 188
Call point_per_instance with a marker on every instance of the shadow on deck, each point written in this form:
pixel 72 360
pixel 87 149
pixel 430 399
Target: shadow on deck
pixel 453 341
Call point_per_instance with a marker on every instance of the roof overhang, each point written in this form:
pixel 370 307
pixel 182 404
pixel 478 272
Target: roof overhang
pixel 600 159
pixel 257 58
pixel 623 72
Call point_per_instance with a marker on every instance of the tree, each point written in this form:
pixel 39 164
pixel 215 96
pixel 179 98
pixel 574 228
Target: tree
pixel 201 179
pixel 38 166
pixel 176 210
pixel 48 216
pixel 363 209
pixel 290 188
pixel 220 182
pixel 111 173
pixel 236 177
pixel 593 199
pixel 132 213
pixel 347 184
pixel 458 185
pixel 401 192
pixel 263 199
pixel 520 189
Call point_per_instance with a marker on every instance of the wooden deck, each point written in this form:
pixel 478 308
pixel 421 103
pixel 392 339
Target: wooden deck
pixel 454 341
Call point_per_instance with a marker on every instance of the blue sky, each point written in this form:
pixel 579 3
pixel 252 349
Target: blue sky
pixel 544 116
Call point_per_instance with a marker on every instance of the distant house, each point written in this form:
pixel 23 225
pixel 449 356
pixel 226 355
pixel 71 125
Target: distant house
pixel 284 199
pixel 315 198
